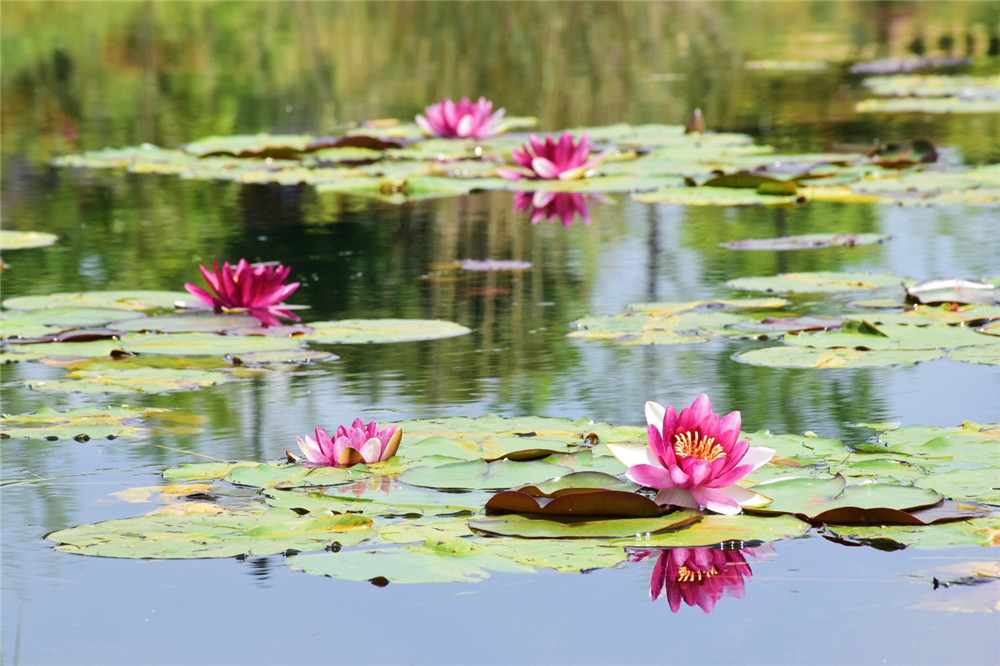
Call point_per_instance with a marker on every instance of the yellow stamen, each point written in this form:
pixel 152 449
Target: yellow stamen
pixel 691 444
pixel 685 575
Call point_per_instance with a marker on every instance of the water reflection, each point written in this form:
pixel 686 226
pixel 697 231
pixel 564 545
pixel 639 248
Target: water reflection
pixel 699 576
pixel 551 206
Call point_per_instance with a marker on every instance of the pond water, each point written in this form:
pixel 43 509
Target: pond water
pixel 82 76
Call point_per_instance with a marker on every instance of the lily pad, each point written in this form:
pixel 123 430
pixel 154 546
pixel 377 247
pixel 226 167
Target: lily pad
pixel 590 502
pixel 806 242
pixel 225 534
pixel 532 527
pixel 822 282
pixel 11 239
pixel 353 331
pixel 714 530
pixel 808 357
pixel 85 422
pixel 714 196
pixel 481 475
pixel 119 300
pixel 292 476
pixel 407 565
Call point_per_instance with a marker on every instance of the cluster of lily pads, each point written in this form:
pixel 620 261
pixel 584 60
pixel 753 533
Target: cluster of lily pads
pixel 462 147
pixel 367 504
pixel 891 320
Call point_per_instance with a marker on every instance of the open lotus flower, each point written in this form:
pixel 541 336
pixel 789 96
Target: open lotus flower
pixel 698 576
pixel 257 288
pixel 361 444
pixel 461 120
pixel 565 159
pixel 694 458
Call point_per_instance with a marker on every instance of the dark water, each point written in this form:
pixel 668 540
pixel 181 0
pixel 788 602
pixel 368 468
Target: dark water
pixel 79 76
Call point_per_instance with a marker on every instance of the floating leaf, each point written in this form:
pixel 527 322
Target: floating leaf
pixel 88 422
pixel 953 290
pixel 120 300
pixel 806 357
pixel 481 475
pixel 599 502
pixel 806 242
pixel 713 530
pixel 200 535
pixel 405 565
pixel 822 282
pixel 11 239
pixel 536 528
pixel 291 476
pixel 713 196
pixel 831 500
pixel 351 331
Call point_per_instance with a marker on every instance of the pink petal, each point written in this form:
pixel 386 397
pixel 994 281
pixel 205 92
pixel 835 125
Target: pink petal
pixel 544 168
pixel 715 500
pixel 650 476
pixel 676 497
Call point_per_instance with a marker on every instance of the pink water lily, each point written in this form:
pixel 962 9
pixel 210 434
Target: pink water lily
pixel 695 458
pixel 565 159
pixel 258 288
pixel 697 576
pixel 361 444
pixel 461 120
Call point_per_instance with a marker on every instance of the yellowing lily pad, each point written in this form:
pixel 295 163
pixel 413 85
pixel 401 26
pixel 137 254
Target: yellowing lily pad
pixel 11 239
pixel 88 422
pixel 822 282
pixel 714 196
pixel 353 331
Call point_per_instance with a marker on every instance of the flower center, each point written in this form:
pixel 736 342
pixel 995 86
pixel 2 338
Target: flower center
pixel 692 444
pixel 685 575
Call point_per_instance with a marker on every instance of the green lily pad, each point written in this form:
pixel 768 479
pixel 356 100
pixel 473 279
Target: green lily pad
pixel 202 344
pixel 712 530
pixel 713 196
pixel 808 357
pixel 976 532
pixel 352 331
pixel 406 565
pixel 481 475
pixel 394 501
pixel 67 317
pixel 822 282
pixel 203 535
pixel 535 528
pixel 820 499
pixel 119 300
pixel 206 322
pixel 258 145
pixel 205 471
pixel 291 476
pixel 129 381
pixel 85 422
pixel 860 334
pixel 589 502
pixel 806 242
pixel 11 239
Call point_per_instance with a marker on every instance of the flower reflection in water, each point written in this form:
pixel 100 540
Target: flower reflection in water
pixel 699 576
pixel 562 206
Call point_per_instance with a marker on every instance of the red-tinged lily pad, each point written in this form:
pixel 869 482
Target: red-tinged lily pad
pixel 11 239
pixel 953 290
pixel 806 242
pixel 793 324
pixel 589 502
pixel 83 423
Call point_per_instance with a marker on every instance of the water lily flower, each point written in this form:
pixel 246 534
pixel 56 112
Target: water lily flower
pixel 565 159
pixel 695 458
pixel 697 576
pixel 461 120
pixel 361 444
pixel 257 288
pixel 564 206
